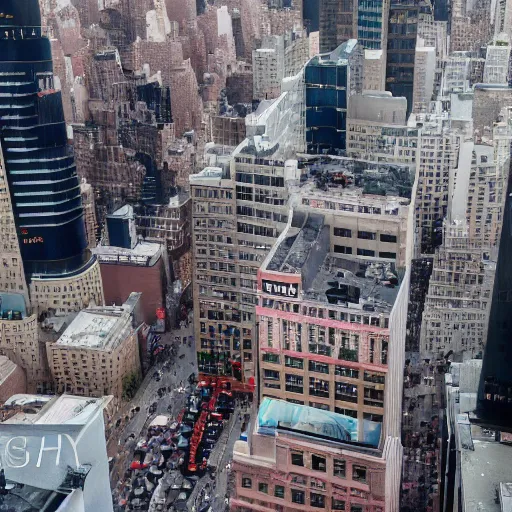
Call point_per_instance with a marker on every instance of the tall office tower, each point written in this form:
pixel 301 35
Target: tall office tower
pixel 471 24
pixel 331 314
pixel 495 389
pixel 424 77
pixel 377 130
pixel 372 24
pixel 457 306
pixel 338 23
pixel 43 184
pixel 438 157
pixel 402 34
pixel 497 61
pixel 239 209
pixel 457 72
pixel 330 81
pixel 310 15
pixel 268 68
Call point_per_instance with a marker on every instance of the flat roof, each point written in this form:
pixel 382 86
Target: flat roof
pixel 304 248
pixel 51 410
pixel 143 253
pixel 373 285
pixel 12 302
pixel 351 177
pixel 485 464
pixel 100 328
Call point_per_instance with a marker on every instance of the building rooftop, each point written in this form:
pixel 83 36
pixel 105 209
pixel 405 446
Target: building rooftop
pixel 304 248
pixel 339 55
pixel 371 286
pixel 144 253
pixel 12 306
pixel 346 177
pixel 99 327
pixel 51 410
pixel 485 467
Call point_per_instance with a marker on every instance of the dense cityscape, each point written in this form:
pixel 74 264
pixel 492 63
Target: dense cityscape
pixel 254 255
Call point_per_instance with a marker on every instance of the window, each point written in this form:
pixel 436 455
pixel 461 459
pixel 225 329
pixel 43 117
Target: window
pixel 344 371
pixel 318 405
pixel 263 487
pixel 337 504
pixel 298 458
pixel 279 491
pixel 298 497
pixel 341 249
pixel 366 235
pixel 270 358
pixel 317 500
pixel 346 412
pixel 388 238
pixel 318 387
pixel 365 252
pixel 339 468
pixel 356 508
pixel 387 255
pixel 271 375
pixel 294 362
pixel 294 383
pixel 298 479
pixel 345 233
pixel 358 473
pixel 318 367
pixel 318 463
pixel 346 392
pixel 246 482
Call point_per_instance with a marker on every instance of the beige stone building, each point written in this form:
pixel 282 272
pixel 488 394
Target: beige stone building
pixel 12 275
pixel 67 294
pixel 97 351
pixel 88 204
pixel 20 342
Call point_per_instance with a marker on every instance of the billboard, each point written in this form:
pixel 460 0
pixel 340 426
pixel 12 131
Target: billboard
pixel 60 457
pixel 278 413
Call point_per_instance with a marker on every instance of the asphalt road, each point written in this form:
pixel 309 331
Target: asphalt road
pixel 174 379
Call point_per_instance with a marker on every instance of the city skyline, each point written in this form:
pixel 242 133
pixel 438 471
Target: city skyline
pixel 258 249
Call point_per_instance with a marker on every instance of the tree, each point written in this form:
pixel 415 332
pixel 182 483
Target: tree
pixel 131 383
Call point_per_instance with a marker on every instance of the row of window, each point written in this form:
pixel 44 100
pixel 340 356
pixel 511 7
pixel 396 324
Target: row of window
pixel 259 179
pixel 342 249
pixel 365 235
pixel 298 496
pixel 213 193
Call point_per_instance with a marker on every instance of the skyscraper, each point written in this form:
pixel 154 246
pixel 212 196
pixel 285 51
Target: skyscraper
pixel 337 23
pixel 402 33
pixel 330 80
pixel 44 186
pixel 43 235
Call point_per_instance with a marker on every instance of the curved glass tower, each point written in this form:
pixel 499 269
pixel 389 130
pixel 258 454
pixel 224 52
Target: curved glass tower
pixel 44 186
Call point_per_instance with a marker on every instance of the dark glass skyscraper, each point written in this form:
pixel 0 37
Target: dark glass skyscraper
pixel 44 186
pixel 401 46
pixel 330 79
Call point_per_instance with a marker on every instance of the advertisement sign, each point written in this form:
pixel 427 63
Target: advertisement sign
pixel 281 289
pixel 278 413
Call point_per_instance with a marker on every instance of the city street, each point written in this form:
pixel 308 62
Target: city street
pixel 120 446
